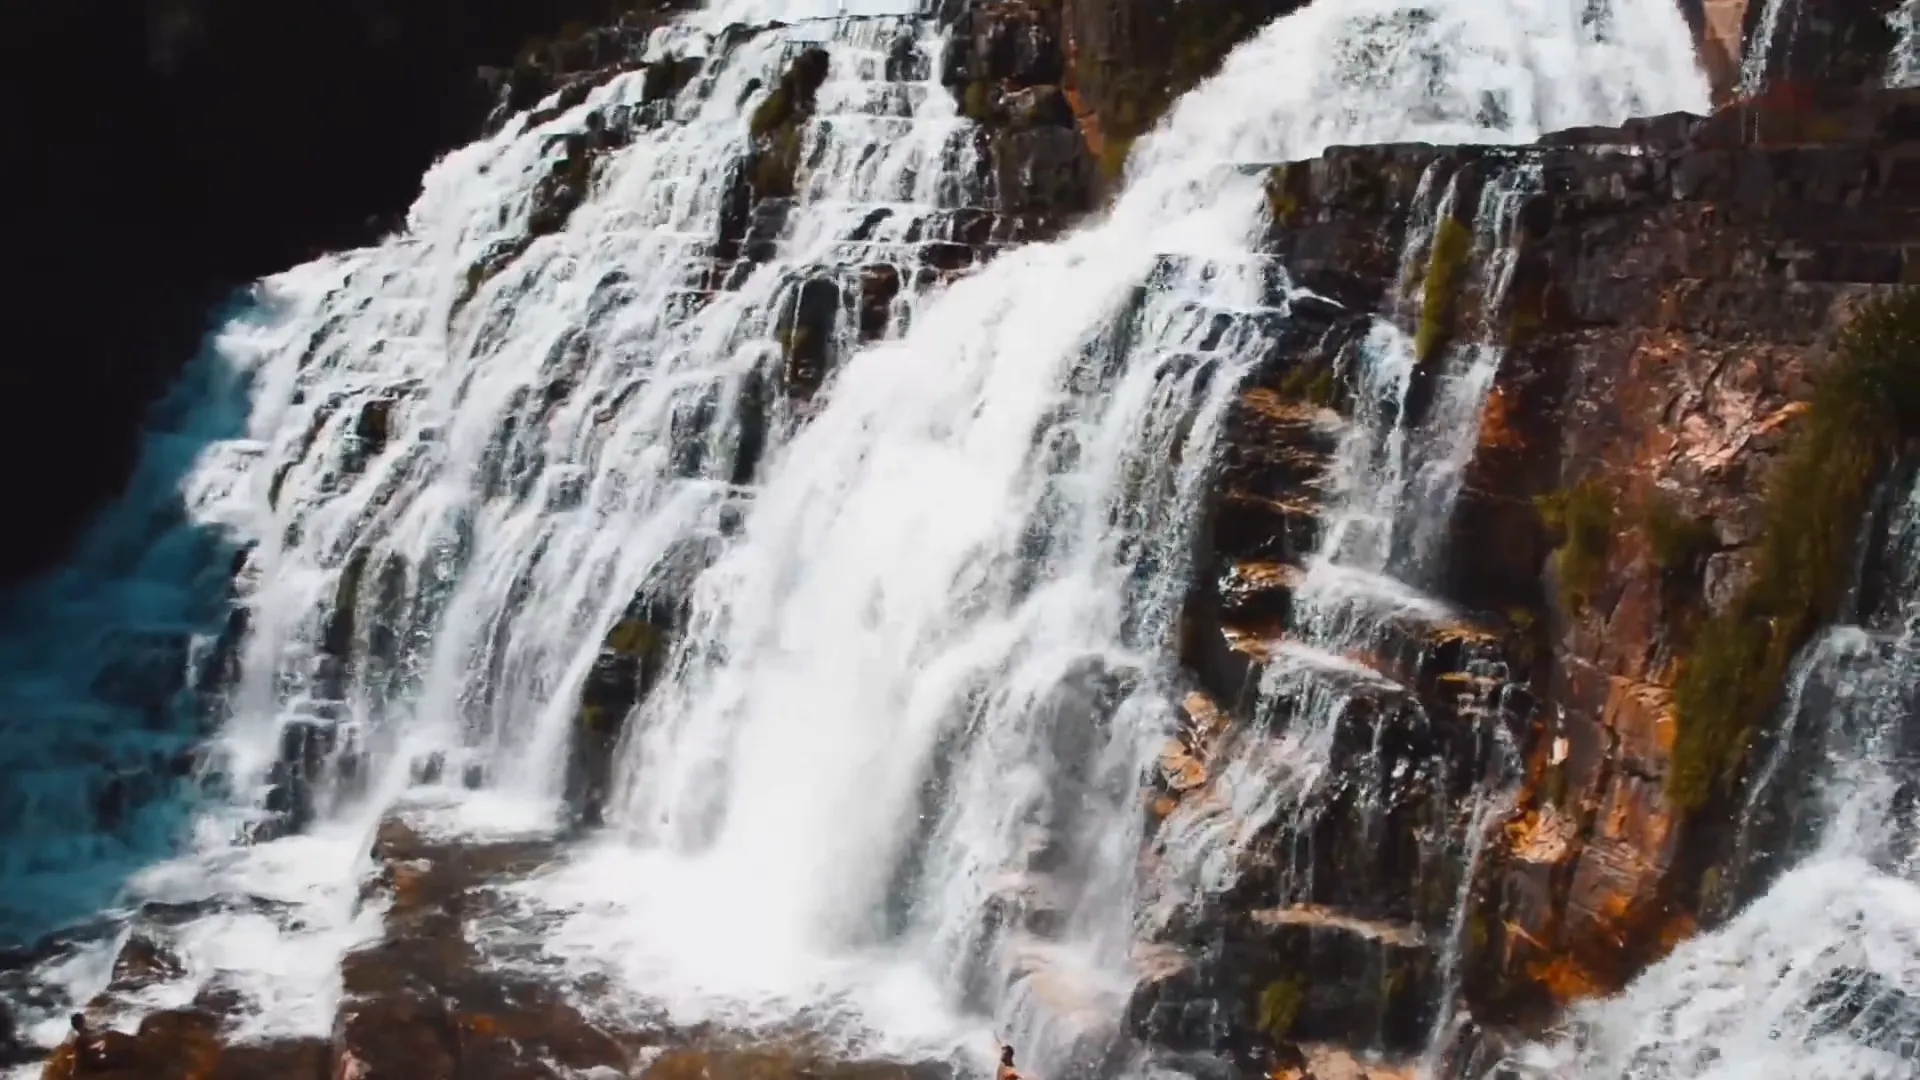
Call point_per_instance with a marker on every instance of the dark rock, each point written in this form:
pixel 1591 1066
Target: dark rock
pixel 807 329
pixel 879 284
pixel 143 962
pixel 14 1049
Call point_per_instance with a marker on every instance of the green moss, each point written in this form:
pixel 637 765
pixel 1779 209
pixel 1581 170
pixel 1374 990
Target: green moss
pixel 1710 888
pixel 630 637
pixel 1197 36
pixel 1392 981
pixel 1863 406
pixel 1678 541
pixel 777 164
pixel 1581 519
pixel 1477 933
pixel 1311 384
pixel 776 125
pixel 1114 149
pixel 1522 638
pixel 774 110
pixel 791 100
pixel 1452 243
pixel 976 103
pixel 668 76
pixel 1282 205
pixel 1280 1004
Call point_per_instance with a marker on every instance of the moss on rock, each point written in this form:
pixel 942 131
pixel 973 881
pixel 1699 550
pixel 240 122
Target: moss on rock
pixel 1280 1004
pixel 1677 541
pixel 1863 407
pixel 1581 519
pixel 1452 244
pixel 777 121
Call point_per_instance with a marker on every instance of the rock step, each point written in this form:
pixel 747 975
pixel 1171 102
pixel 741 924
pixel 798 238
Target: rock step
pixel 1274 977
pixel 1372 817
pixel 1450 662
pixel 1277 457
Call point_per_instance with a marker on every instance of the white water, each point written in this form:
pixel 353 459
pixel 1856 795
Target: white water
pixel 1776 18
pixel 1903 59
pixel 933 659
pixel 1819 978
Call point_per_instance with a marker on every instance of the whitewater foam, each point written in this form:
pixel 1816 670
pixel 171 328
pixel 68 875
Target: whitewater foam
pixel 928 645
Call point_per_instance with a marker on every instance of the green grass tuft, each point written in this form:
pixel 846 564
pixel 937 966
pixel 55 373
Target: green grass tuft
pixel 1452 243
pixel 1581 519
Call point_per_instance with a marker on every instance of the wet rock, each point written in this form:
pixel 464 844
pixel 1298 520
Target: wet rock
pixel 632 656
pixel 1868 1009
pixel 142 962
pixel 169 1045
pixel 1038 106
pixel 1041 170
pixel 1299 974
pixel 667 77
pixel 807 335
pixel 1128 62
pixel 422 1002
pixel 1669 307
pixel 14 1049
pixel 879 284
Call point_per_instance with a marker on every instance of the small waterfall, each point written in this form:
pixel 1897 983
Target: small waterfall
pixel 1819 976
pixel 1903 59
pixel 1394 483
pixel 1776 18
pixel 864 562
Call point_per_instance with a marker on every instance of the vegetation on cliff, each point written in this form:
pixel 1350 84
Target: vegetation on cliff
pixel 1452 244
pixel 1677 541
pixel 1863 406
pixel 1581 520
pixel 776 124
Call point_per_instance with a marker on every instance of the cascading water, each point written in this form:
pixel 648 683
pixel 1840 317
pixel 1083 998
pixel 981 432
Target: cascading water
pixel 1820 976
pixel 1903 58
pixel 1777 17
pixel 921 619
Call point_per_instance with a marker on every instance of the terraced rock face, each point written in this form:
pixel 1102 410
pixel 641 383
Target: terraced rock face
pixel 1476 792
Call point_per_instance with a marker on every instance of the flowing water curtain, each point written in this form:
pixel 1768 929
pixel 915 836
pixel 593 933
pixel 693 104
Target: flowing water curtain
pixel 939 581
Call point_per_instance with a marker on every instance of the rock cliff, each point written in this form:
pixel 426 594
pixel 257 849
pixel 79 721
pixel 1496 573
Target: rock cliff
pixel 1640 540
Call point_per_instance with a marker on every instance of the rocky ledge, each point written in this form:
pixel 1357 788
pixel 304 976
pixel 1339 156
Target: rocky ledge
pixel 424 1000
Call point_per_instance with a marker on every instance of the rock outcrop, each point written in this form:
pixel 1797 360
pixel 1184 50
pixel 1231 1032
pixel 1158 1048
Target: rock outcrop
pixel 1678 290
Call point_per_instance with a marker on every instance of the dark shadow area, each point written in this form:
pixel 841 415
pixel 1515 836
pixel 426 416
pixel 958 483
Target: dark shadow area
pixel 169 151
pixel 109 665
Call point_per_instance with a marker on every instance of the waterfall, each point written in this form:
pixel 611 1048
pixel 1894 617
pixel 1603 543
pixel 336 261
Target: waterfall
pixel 1903 58
pixel 1814 978
pixel 1758 55
pixel 895 608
